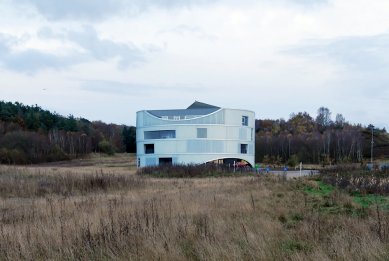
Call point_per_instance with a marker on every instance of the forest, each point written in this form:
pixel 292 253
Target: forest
pixel 319 140
pixel 30 134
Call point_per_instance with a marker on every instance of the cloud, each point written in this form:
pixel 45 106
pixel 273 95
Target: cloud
pixel 76 9
pixel 184 30
pixel 92 48
pixel 114 87
pixel 362 53
pixel 31 61
pixel 28 61
pixel 133 89
pixel 3 46
pixel 95 10
pixel 308 2
pixel 102 49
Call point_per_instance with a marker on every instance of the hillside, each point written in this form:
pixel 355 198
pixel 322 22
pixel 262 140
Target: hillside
pixel 30 134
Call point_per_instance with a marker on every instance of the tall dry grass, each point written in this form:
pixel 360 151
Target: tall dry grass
pixel 358 180
pixel 140 218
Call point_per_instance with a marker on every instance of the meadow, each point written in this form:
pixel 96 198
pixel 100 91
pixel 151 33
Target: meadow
pixel 99 209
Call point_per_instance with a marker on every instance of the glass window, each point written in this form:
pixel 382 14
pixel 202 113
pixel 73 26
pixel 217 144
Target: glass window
pixel 149 148
pixel 245 120
pixel 243 148
pixel 202 133
pixel 165 161
pixel 162 134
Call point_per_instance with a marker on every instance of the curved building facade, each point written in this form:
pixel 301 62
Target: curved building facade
pixel 199 134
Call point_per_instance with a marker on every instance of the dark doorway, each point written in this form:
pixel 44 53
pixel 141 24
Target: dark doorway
pixel 165 161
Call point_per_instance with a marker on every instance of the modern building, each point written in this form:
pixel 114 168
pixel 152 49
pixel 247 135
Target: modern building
pixel 199 134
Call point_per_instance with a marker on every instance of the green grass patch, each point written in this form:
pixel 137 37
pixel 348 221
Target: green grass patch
pixel 322 189
pixel 371 199
pixel 291 246
pixel 322 200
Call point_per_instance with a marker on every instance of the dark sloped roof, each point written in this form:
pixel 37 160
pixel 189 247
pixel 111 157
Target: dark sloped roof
pixel 201 105
pixel 196 109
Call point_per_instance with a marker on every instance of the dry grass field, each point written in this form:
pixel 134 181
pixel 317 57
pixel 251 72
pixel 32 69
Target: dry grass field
pixel 99 209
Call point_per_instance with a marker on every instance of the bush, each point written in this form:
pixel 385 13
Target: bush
pixel 57 154
pixel 189 171
pixel 13 156
pixel 293 161
pixel 106 147
pixel 25 147
pixel 356 180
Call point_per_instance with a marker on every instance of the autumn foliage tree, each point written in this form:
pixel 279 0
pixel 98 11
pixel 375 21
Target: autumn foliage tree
pixel 319 140
pixel 30 134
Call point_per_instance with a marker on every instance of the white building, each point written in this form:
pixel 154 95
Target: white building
pixel 199 134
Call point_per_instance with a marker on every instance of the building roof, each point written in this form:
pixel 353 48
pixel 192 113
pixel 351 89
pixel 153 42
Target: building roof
pixel 196 109
pixel 201 105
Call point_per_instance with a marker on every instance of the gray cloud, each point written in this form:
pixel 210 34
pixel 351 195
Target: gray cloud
pixel 368 53
pixel 102 49
pixel 76 9
pixel 94 10
pixel 94 48
pixel 29 61
pixel 3 46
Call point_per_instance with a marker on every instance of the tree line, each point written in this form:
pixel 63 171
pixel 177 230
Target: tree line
pixel 319 140
pixel 30 134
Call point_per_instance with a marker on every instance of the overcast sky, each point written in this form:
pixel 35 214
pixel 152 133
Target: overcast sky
pixel 106 59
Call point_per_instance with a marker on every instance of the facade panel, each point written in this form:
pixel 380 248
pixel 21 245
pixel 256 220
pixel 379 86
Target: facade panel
pixel 203 135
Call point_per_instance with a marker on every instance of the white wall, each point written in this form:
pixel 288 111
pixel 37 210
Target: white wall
pixel 225 133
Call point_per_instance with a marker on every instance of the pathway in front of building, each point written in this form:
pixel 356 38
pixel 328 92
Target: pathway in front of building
pixel 295 173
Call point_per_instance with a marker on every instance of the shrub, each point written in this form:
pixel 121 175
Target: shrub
pixel 24 147
pixel 357 180
pixel 293 161
pixel 13 156
pixel 106 147
pixel 56 154
pixel 189 171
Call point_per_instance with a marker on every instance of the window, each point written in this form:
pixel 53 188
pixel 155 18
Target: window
pixel 149 148
pixel 165 117
pixel 245 120
pixel 202 133
pixel 162 134
pixel 243 148
pixel 165 161
pixel 176 118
